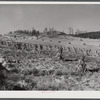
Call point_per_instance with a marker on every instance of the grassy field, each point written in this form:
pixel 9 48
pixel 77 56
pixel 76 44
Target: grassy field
pixel 43 71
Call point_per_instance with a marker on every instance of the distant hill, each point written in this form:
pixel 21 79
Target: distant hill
pixel 52 34
pixel 22 33
pixel 91 35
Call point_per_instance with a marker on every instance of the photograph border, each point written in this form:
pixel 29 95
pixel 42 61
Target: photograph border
pixel 50 95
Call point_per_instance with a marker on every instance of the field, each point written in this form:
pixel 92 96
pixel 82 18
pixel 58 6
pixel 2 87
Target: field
pixel 43 70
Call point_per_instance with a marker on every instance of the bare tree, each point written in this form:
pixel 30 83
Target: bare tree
pixel 71 31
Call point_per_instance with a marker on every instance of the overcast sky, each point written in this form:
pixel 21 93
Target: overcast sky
pixel 60 17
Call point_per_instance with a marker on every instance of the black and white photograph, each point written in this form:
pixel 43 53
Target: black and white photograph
pixel 50 47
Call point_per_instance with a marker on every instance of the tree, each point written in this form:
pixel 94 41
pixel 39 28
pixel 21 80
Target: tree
pixel 33 31
pixel 71 30
pixel 10 32
pixel 37 34
pixel 52 33
pixel 77 31
pixel 45 30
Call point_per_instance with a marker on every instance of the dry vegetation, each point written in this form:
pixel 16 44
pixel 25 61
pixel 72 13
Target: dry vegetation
pixel 43 70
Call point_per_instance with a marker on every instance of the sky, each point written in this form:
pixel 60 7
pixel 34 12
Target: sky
pixel 84 17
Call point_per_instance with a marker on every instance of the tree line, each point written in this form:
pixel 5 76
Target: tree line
pixel 51 32
pixel 32 32
pixel 91 35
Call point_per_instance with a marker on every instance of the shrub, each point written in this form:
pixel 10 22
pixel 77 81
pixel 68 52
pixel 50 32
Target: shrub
pixel 69 42
pixel 15 70
pixel 41 47
pixel 35 72
pixel 84 43
pixel 11 65
pixel 20 85
pixel 59 41
pixel 59 73
pixel 33 84
pixel 51 72
pixel 43 72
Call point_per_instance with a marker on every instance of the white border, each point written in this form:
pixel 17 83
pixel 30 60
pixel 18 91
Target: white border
pixel 43 2
pixel 49 94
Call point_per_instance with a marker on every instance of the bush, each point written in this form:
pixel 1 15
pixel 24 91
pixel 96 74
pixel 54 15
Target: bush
pixel 51 72
pixel 59 73
pixel 43 72
pixel 84 43
pixel 35 72
pixel 21 85
pixel 59 41
pixel 15 70
pixel 69 42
